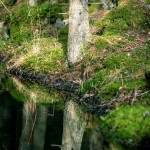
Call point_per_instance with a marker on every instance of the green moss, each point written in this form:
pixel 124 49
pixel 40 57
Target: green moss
pixel 21 35
pixel 3 47
pixel 92 84
pixel 127 17
pixel 47 56
pixel 146 1
pixel 111 67
pixel 63 38
pixel 121 70
pixel 101 44
pixel 8 2
pixel 93 7
pixel 127 124
pixel 118 61
pixel 35 17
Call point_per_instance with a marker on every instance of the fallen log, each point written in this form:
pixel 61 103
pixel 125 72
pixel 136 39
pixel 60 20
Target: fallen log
pixel 52 81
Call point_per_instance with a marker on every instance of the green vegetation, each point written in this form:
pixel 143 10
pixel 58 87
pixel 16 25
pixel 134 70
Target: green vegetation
pixel 121 70
pixel 37 18
pixel 117 59
pixel 7 3
pixel 93 8
pixel 32 92
pixel 113 67
pixel 129 16
pixel 127 125
pixel 44 55
pixel 63 38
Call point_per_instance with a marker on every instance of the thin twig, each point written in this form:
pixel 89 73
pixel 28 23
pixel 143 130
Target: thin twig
pixel 5 6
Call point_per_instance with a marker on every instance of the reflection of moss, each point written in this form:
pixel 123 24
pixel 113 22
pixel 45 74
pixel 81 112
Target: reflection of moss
pixel 127 124
pixel 14 92
pixel 27 92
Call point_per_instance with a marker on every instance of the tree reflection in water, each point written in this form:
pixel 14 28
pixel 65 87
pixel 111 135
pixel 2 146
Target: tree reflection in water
pixel 76 133
pixel 37 126
pixel 34 126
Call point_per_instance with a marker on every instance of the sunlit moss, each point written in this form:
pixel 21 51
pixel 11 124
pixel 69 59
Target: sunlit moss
pixel 126 17
pixel 127 125
pixel 35 17
pixel 93 7
pixel 43 55
pixel 112 68
pixel 121 70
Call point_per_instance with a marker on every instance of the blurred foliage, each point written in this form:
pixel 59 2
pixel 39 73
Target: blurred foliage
pixel 127 125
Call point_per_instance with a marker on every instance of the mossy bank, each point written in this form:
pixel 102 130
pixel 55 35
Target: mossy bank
pixel 115 70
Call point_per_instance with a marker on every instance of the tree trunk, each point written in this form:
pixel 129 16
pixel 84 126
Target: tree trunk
pixel 78 29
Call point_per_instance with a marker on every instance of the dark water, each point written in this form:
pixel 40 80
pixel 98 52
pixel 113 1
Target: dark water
pixel 26 130
pixel 34 119
pixel 10 124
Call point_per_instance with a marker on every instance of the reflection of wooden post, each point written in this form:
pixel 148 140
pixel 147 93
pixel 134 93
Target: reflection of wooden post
pixel 28 125
pixel 34 127
pixel 78 29
pixel 92 139
pixel 73 127
pixel 40 128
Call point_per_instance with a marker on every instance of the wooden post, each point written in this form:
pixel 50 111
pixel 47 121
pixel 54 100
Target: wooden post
pixel 78 29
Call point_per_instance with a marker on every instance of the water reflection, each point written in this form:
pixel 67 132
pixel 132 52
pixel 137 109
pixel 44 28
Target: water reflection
pixel 73 126
pixel 40 121
pixel 34 126
pixel 10 125
pixel 79 132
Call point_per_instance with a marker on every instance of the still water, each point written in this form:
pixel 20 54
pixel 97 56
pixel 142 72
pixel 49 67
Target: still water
pixel 34 118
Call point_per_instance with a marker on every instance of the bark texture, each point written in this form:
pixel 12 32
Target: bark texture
pixel 78 29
